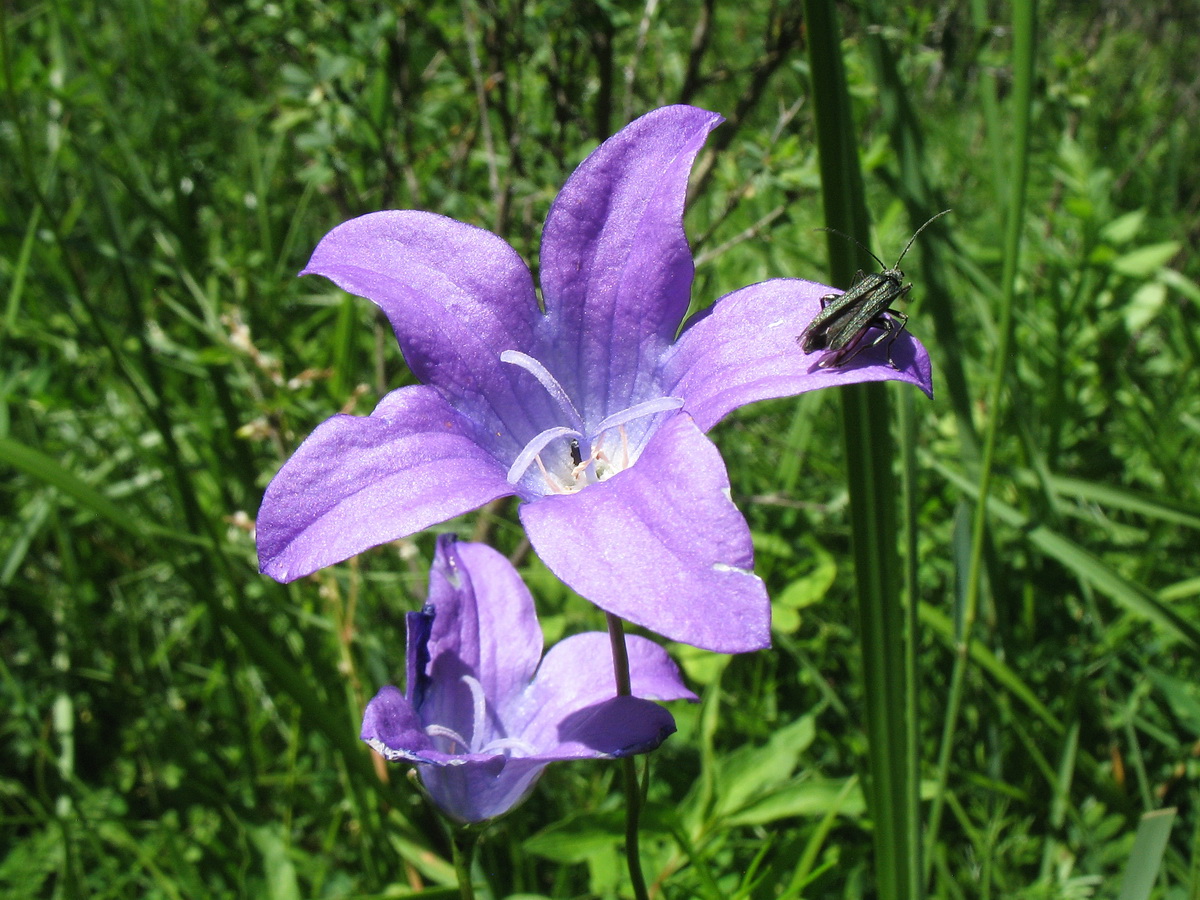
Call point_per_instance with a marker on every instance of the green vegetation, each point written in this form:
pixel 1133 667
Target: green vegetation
pixel 176 725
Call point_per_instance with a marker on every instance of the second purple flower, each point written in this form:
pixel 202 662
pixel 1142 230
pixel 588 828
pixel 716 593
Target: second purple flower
pixel 483 713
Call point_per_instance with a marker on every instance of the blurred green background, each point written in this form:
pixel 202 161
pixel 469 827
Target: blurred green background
pixel 175 725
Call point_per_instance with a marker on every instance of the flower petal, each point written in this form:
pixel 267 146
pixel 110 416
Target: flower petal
pixel 746 350
pixel 618 726
pixel 475 790
pixel 660 544
pixel 457 297
pixel 392 729
pixel 577 673
pixel 483 619
pixel 616 270
pixel 357 482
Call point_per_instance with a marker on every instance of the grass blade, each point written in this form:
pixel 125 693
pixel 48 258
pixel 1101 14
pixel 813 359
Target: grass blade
pixel 1021 113
pixel 892 789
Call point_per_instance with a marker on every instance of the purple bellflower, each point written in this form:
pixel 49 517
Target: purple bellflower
pixel 593 412
pixel 476 719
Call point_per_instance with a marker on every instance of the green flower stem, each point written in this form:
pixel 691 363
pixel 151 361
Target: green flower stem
pixel 463 842
pixel 633 792
pixel 616 634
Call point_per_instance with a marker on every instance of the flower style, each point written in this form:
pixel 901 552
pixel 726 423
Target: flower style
pixel 593 412
pixel 478 721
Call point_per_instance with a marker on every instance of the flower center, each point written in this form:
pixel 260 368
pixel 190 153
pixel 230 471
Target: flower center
pixel 453 742
pixel 574 455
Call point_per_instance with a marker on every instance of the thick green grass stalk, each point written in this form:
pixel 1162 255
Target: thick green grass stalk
pixel 1024 23
pixel 921 199
pixel 892 786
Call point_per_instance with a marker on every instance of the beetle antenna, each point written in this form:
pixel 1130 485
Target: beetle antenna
pixel 914 237
pixel 857 241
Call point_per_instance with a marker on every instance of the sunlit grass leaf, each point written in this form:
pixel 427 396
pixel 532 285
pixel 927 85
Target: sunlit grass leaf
pixel 803 797
pixel 1115 497
pixel 1144 860
pixel 1145 305
pixel 1145 261
pixel 277 866
pixel 1124 228
pixel 578 838
pixel 52 473
pixel 747 773
pixel 1181 283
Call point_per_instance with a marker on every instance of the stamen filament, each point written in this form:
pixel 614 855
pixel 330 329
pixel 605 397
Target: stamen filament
pixel 479 728
pixel 550 482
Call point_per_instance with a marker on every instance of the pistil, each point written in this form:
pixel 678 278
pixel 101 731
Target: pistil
pixel 585 451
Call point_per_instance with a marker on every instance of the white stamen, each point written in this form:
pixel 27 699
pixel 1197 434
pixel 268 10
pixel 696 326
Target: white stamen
pixel 554 486
pixel 530 451
pixel 548 381
pixel 594 464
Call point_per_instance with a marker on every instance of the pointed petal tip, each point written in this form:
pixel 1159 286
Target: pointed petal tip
pixel 274 569
pixel 375 714
pixel 392 728
pixel 619 726
pixel 358 482
pixel 653 743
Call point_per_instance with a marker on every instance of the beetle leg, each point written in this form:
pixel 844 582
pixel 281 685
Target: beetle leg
pixel 897 322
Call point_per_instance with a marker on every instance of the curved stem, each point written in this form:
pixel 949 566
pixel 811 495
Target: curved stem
pixel 633 792
pixel 616 636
